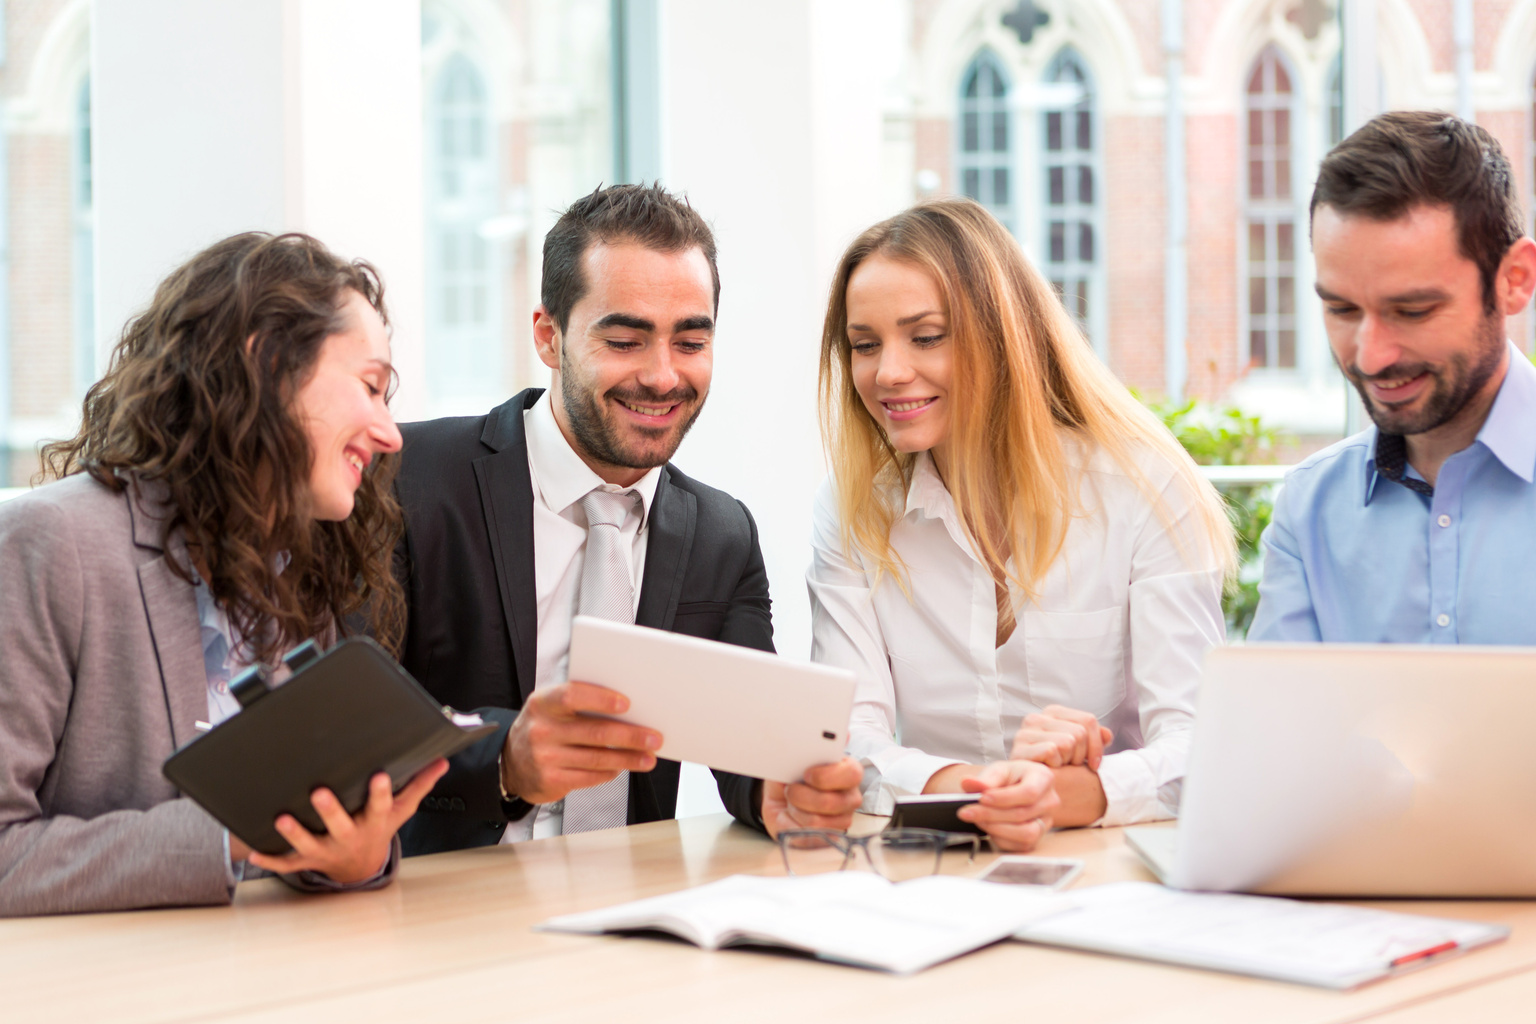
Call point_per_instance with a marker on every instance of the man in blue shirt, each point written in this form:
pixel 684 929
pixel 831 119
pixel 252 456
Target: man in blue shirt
pixel 1421 529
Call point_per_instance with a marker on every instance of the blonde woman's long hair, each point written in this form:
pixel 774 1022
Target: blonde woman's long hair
pixel 1023 377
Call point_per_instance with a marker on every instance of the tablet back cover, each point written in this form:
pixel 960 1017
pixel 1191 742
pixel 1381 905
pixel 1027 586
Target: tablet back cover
pixel 352 712
pixel 717 704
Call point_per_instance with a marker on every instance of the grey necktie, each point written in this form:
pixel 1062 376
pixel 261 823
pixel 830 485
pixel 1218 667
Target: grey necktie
pixel 607 592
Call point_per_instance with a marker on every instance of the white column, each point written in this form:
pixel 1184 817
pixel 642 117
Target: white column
pixel 275 115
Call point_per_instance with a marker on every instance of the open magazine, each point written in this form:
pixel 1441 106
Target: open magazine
pixel 849 917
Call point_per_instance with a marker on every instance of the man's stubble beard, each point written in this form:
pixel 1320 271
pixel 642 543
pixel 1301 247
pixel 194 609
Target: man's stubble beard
pixel 1451 391
pixel 594 434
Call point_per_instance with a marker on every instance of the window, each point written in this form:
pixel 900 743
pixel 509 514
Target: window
pixel 1269 298
pixel 84 280
pixel 985 157
pixel 463 285
pixel 519 105
pixel 1336 101
pixel 1069 148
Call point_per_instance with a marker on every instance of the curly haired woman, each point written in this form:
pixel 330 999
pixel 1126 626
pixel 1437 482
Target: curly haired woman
pixel 227 497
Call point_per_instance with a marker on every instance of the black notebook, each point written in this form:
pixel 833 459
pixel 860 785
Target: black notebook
pixel 340 718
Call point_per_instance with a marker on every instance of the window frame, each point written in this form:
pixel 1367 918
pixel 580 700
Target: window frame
pixel 466 363
pixel 1273 213
pixel 1005 160
pixel 1096 317
pixel 82 211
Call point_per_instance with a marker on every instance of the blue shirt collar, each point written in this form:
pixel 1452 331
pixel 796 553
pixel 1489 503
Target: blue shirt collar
pixel 1509 432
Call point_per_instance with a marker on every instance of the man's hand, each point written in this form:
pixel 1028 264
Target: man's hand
pixel 1059 736
pixel 557 745
pixel 1017 798
pixel 354 848
pixel 825 798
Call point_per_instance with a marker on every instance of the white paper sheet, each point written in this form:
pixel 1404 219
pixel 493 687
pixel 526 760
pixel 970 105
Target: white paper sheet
pixel 1324 944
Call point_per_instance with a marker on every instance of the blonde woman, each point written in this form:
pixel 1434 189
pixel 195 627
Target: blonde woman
pixel 1021 565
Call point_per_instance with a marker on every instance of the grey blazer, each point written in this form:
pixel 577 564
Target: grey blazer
pixel 101 679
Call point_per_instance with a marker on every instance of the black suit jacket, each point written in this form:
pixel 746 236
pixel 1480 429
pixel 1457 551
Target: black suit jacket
pixel 467 566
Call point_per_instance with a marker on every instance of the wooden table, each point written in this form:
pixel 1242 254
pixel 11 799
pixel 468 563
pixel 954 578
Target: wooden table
pixel 453 939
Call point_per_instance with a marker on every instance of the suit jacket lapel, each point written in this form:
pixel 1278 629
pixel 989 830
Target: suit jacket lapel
pixel 506 501
pixel 674 513
pixel 170 606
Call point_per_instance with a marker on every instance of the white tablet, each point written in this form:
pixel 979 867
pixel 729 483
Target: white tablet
pixel 717 704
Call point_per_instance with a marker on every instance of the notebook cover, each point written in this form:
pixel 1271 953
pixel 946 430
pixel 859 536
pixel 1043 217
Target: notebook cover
pixel 345 716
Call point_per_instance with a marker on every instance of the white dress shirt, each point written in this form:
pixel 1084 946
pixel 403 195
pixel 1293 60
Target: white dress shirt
pixel 1119 628
pixel 560 481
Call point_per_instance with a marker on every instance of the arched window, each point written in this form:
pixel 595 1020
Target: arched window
pixel 1269 300
pixel 83 221
pixel 1069 147
pixel 463 294
pixel 985 157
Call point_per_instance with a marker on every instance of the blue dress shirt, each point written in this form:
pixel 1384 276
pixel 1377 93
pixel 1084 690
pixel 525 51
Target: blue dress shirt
pixel 1353 556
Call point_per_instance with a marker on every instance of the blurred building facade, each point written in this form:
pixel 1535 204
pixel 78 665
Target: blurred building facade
pixel 1051 112
pixel 46 319
pixel 518 109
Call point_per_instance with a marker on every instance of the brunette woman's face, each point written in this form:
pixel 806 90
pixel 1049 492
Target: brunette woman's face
pixel 344 411
pixel 903 361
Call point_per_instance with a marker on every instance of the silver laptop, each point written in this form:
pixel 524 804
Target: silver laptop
pixel 1358 770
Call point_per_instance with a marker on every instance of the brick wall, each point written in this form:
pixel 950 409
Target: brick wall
pixel 1213 228
pixel 1135 229
pixel 42 335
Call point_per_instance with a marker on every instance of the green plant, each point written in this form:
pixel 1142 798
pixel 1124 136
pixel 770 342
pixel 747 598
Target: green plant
pixel 1217 437
pixel 1230 437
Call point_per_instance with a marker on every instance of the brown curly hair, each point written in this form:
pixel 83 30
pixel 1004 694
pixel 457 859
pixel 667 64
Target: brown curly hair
pixel 198 397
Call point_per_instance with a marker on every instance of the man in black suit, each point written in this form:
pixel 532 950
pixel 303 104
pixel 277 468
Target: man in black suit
pixel 496 543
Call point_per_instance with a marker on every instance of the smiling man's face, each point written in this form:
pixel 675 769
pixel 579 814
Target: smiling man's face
pixel 632 368
pixel 1404 313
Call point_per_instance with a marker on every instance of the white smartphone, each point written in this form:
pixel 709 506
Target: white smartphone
pixel 1051 873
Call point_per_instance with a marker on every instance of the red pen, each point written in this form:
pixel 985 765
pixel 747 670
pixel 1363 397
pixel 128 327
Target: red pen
pixel 1408 958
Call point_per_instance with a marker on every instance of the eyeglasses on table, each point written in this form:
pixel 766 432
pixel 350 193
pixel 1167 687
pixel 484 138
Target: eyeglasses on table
pixel 896 854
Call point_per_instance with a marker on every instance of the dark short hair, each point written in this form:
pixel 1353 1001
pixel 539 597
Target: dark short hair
pixel 648 215
pixel 1422 157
